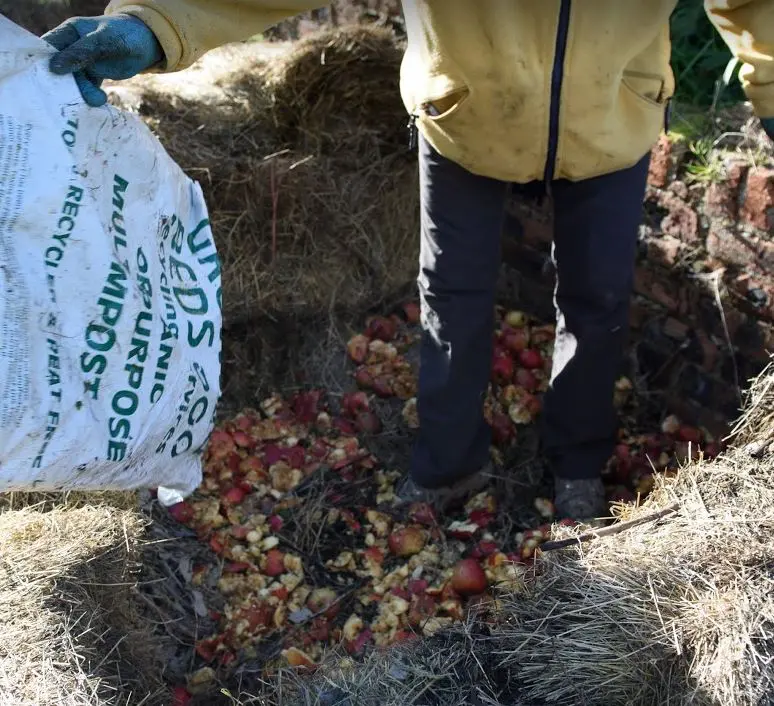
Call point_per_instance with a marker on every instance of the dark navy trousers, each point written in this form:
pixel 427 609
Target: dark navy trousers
pixel 595 239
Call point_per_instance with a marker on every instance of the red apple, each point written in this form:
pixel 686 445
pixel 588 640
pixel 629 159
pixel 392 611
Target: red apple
pixel 182 512
pixel 502 369
pixel 407 541
pixel 233 496
pixel 275 563
pixel 516 340
pixel 412 312
pixel 381 328
pixel 354 402
pixel 531 359
pixel 382 387
pixel 468 578
pixel 181 696
pixel 503 430
pixel 363 378
pixel 526 380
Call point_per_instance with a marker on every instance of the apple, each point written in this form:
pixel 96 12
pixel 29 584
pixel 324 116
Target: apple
pixel 182 512
pixel 412 312
pixel 275 563
pixel 357 348
pixel 381 329
pixel 407 541
pixel 531 359
pixel 468 578
pixel 502 369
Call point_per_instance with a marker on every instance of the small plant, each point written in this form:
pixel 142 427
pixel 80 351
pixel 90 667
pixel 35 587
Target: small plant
pixel 705 164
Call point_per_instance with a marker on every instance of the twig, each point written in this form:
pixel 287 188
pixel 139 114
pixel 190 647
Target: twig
pixel 607 531
pixel 274 201
pixel 715 279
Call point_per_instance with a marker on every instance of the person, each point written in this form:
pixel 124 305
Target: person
pixel 568 94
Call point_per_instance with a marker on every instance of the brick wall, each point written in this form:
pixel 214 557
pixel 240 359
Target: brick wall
pixel 699 242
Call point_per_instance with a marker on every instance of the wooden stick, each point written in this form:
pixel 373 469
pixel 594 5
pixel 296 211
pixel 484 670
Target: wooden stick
pixel 607 531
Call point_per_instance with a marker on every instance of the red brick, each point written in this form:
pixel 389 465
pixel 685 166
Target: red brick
pixel 740 250
pixel 648 285
pixel 681 222
pixel 758 207
pixel 720 201
pixel 664 250
pixel 660 163
pixel 709 351
pixel 679 189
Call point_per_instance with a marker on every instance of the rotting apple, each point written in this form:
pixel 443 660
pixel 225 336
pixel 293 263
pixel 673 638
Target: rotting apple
pixel 526 379
pixel 407 541
pixel 354 402
pixel 380 328
pixel 412 312
pixel 515 340
pixel 182 512
pixel 502 369
pixel 274 564
pixel 468 578
pixel 357 348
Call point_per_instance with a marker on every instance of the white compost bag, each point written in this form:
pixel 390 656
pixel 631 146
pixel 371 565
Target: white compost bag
pixel 110 309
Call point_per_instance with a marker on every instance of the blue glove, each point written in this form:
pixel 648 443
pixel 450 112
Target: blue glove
pixel 768 127
pixel 96 48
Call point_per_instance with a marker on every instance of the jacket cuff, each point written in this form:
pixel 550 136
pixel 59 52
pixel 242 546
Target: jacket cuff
pixel 162 27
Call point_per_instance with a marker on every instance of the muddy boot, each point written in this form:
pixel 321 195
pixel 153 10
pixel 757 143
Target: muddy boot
pixel 446 498
pixel 582 500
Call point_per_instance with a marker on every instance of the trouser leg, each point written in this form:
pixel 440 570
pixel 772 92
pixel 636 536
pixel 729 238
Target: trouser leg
pixel 461 222
pixel 595 241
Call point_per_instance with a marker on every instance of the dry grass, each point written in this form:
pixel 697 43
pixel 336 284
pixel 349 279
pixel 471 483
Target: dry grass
pixel 312 193
pixel 756 425
pixel 69 633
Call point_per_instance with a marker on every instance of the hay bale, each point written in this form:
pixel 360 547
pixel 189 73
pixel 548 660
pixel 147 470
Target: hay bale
pixel 69 633
pixel 313 197
pixel 332 81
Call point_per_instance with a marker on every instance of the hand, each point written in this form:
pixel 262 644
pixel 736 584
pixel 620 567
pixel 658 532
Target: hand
pixel 768 127
pixel 96 48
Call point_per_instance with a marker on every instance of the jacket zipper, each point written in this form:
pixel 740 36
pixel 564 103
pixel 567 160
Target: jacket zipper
pixel 557 74
pixel 412 132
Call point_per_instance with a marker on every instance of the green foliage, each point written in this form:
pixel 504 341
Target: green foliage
pixel 699 58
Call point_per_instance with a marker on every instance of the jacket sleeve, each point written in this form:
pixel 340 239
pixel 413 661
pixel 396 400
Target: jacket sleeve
pixel 187 29
pixel 747 27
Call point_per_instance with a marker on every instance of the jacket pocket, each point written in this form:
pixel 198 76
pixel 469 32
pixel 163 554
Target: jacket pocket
pixel 649 88
pixel 439 108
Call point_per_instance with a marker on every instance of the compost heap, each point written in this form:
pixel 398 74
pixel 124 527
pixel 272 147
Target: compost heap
pixel 314 555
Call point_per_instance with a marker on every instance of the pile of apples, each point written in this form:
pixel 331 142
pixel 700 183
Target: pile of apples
pixel 391 575
pixel 521 367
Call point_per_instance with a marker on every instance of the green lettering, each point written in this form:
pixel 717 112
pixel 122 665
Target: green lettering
pixel 125 403
pixel 192 301
pixel 120 186
pixel 99 337
pixel 205 242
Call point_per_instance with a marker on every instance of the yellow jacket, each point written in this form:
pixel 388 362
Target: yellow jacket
pixel 514 89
